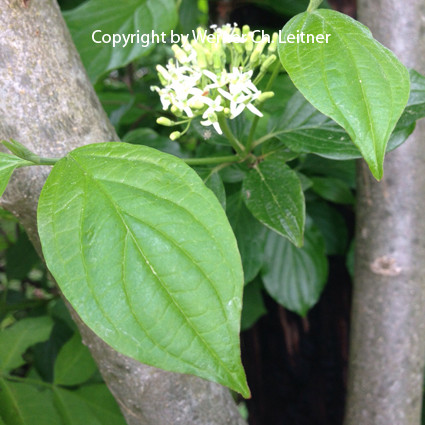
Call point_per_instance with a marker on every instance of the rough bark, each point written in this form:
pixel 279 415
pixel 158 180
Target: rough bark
pixel 388 320
pixel 48 104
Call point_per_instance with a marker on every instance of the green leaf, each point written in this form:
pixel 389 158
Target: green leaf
pixel 352 79
pixel 319 166
pixel 334 190
pixel 250 234
pixel 16 339
pixel 213 181
pixel 253 304
pixel 101 403
pixel 21 257
pixel 273 194
pixel 332 226
pixel 295 277
pixel 8 164
pixel 74 364
pixel 145 254
pixel 117 17
pixel 73 409
pixel 23 404
pixel 415 108
pixel 304 129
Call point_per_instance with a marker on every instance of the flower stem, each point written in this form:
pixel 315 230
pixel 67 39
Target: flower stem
pixel 256 118
pixel 212 160
pixel 236 144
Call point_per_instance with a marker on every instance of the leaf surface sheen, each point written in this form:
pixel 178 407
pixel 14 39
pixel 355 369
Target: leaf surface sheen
pixel 146 256
pixel 273 193
pixel 117 17
pixel 295 277
pixel 353 79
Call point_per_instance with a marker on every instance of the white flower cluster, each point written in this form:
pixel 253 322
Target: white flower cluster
pixel 212 77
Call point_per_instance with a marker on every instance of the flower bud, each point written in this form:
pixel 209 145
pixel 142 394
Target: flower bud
pixel 255 56
pixel 175 135
pixel 179 54
pixel 266 64
pixel 201 58
pixel 165 121
pixel 264 96
pixel 249 44
pixel 176 111
pixel 161 70
pixel 195 104
pixel 273 45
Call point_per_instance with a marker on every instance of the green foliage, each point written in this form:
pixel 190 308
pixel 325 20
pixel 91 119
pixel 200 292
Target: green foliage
pixel 15 340
pixel 253 304
pixel 250 234
pixel 352 79
pixel 24 404
pixel 295 277
pixel 76 396
pixel 273 193
pixel 9 163
pixel 112 17
pixel 124 196
pixel 139 242
pixel 74 364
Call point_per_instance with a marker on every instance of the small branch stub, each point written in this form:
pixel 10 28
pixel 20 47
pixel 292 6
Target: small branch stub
pixel 385 266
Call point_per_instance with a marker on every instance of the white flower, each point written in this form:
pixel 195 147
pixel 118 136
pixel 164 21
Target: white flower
pixel 242 92
pixel 211 115
pixel 206 79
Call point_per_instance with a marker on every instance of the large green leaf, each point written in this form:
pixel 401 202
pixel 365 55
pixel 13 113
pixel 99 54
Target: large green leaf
pixel 16 339
pixel 293 276
pixel 124 17
pixel 145 254
pixel 250 234
pixel 8 164
pixel 273 194
pixel 23 404
pixel 74 364
pixel 352 79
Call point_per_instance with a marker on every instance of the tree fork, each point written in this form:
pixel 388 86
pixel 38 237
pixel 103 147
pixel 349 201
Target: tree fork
pixel 387 348
pixel 48 104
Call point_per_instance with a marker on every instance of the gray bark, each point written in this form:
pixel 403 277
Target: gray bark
pixel 387 350
pixel 48 104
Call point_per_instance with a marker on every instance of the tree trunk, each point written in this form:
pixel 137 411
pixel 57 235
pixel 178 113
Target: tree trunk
pixel 48 104
pixel 387 350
